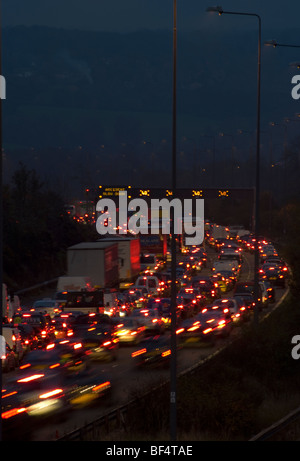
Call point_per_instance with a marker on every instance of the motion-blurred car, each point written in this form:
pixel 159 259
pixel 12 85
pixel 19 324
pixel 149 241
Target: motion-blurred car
pixel 231 306
pixel 201 328
pixel 64 354
pixel 150 319
pixel 99 343
pixel 129 331
pixel 153 351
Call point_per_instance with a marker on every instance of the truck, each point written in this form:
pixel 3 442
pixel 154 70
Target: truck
pixel 219 232
pixel 96 260
pixel 77 283
pixel 154 244
pixel 128 255
pixel 88 302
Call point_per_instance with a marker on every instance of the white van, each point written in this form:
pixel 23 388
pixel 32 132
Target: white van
pixel 150 282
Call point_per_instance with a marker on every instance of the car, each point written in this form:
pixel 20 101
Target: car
pixel 163 305
pixel 129 331
pixel 188 303
pixel 67 355
pixel 197 329
pixel 268 290
pixel 153 351
pixel 29 399
pixel 41 324
pixel 206 286
pixel 279 263
pixel 230 306
pixel 150 319
pixel 99 343
pixel 272 273
pixel 246 291
pixel 46 306
pixel 28 337
pixel 221 281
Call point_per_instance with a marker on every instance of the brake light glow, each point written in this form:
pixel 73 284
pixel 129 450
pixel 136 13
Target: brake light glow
pixel 50 393
pixel 139 352
pixel 101 386
pixel 207 330
pixel 180 330
pixel 13 412
pixel 30 378
pixel 168 352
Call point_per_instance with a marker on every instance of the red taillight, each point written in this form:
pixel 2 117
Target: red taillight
pixel 25 366
pixel 101 386
pixel 13 412
pixel 180 330
pixel 50 393
pixel 139 352
pixel 164 354
pixel 30 378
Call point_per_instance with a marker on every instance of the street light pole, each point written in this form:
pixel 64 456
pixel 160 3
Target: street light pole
pixel 220 11
pixel 173 363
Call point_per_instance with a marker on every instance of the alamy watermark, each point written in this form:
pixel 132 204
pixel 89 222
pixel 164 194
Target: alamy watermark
pixel 2 87
pixel 2 347
pixel 135 216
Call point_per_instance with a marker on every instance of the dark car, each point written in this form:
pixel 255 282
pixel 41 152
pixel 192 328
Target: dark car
pixel 28 337
pixel 206 286
pixel 246 291
pixel 99 343
pixel 198 329
pixel 68 355
pixel 41 325
pixel 153 351
pixel 272 273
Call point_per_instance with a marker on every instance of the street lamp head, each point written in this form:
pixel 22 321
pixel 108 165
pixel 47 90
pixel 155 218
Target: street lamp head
pixel 295 64
pixel 271 43
pixel 215 9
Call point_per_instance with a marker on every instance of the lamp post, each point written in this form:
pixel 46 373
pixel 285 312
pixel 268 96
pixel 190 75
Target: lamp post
pixel 220 11
pixel 173 361
pixel 232 151
pixel 274 44
pixel 285 161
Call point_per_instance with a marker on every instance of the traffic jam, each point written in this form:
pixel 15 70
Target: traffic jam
pixel 53 346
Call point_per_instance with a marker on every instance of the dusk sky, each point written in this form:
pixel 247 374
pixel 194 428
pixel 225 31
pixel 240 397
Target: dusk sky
pixel 119 15
pixel 217 72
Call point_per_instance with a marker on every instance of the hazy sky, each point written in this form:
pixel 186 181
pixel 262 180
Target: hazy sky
pixel 120 15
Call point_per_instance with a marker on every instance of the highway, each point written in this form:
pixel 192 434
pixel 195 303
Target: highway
pixel 128 382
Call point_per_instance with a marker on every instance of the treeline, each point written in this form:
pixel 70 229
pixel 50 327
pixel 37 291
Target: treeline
pixel 36 231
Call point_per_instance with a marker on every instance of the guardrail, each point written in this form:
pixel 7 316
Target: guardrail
pixel 34 287
pixel 277 427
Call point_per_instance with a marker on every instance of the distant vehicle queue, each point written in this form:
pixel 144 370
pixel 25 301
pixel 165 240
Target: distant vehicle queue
pixel 54 341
